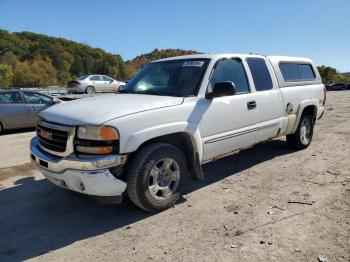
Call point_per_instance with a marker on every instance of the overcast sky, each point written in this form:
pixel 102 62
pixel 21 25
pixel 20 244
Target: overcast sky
pixel 317 29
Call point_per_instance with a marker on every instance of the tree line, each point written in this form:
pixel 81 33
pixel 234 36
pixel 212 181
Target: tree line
pixel 330 75
pixel 29 59
pixel 34 60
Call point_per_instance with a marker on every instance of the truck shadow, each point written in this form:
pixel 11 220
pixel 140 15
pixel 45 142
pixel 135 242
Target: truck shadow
pixel 36 217
pixel 17 131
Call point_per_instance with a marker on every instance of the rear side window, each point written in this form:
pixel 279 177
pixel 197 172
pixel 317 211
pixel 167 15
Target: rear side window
pixel 297 72
pixel 261 75
pixel 106 78
pixel 231 70
pixel 95 78
pixel 10 98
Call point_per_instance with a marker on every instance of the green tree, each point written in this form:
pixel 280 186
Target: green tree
pixel 23 75
pixel 330 75
pixel 43 72
pixel 6 76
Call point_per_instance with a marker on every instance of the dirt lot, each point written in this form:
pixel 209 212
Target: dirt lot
pixel 240 213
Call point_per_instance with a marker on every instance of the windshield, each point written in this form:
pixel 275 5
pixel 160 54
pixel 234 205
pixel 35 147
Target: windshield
pixel 169 78
pixel 82 77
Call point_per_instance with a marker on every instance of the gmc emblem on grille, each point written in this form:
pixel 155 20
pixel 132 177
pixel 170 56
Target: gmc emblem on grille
pixel 45 134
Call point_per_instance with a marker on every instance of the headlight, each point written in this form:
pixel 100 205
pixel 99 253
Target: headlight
pixel 101 133
pixel 96 140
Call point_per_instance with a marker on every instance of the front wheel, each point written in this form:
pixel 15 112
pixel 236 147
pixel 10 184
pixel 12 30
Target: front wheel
pixel 302 137
pixel 157 177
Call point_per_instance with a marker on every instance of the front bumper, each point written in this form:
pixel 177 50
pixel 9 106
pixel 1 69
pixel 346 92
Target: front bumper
pixel 88 176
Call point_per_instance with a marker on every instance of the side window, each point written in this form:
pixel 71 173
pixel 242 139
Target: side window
pixel 306 72
pixel 231 70
pixel 35 98
pixel 261 75
pixel 10 98
pixel 95 78
pixel 106 78
pixel 297 72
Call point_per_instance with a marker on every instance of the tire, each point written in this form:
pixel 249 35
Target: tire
pixel 157 177
pixel 302 137
pixel 1 128
pixel 90 90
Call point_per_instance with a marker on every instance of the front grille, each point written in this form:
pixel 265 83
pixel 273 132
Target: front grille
pixel 57 142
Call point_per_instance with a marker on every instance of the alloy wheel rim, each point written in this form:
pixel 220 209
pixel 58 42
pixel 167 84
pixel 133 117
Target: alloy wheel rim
pixel 164 178
pixel 305 131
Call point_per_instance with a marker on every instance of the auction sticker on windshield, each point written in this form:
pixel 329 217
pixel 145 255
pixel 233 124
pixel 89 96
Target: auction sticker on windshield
pixel 193 63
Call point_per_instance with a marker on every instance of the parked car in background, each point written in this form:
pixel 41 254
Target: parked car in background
pixel 94 83
pixel 337 87
pixel 19 109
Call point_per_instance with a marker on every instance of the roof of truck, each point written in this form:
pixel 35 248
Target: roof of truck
pixel 216 56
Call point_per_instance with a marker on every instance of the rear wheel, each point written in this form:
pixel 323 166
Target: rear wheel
pixel 302 137
pixel 1 128
pixel 90 90
pixel 157 177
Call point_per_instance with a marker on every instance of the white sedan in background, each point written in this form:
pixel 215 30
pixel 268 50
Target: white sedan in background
pixel 94 83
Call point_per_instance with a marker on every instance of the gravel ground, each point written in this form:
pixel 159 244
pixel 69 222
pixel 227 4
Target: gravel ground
pixel 14 148
pixel 242 212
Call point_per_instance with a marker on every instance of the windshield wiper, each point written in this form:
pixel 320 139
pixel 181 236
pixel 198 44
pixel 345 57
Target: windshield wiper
pixel 154 92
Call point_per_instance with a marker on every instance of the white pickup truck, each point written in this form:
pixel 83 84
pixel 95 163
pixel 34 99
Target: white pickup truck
pixel 174 115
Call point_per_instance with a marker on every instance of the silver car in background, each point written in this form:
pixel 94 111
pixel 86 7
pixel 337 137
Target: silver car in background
pixel 20 109
pixel 94 83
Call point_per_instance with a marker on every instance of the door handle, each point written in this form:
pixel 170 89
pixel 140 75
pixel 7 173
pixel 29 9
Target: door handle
pixel 251 105
pixel 32 108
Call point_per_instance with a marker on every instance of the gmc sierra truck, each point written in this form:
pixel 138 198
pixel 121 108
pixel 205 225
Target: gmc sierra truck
pixel 176 114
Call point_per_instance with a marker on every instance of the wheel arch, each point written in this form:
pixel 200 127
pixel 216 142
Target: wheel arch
pixel 189 144
pixel 306 107
pixel 88 87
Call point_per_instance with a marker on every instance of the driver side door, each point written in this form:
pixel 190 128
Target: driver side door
pixel 108 84
pixel 35 103
pixel 230 122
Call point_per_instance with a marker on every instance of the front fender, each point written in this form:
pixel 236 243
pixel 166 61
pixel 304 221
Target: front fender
pixel 136 139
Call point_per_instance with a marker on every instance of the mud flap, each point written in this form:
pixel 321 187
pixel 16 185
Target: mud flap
pixel 196 169
pixel 291 123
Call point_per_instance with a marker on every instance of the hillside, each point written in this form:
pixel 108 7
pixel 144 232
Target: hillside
pixel 138 62
pixel 38 60
pixel 28 59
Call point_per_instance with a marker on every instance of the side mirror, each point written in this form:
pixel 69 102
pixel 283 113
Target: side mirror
pixel 225 88
pixel 55 101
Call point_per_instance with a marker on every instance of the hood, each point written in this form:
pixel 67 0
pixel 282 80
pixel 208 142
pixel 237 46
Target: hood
pixel 102 108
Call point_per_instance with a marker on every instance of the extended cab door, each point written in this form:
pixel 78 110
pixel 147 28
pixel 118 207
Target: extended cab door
pixel 230 122
pixel 268 98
